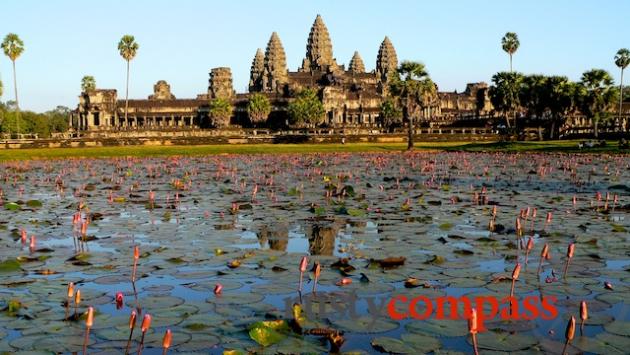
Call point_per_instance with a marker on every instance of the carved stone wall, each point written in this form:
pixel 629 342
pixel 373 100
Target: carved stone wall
pixel 161 91
pixel 221 83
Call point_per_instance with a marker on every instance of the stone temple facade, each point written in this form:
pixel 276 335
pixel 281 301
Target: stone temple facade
pixel 351 96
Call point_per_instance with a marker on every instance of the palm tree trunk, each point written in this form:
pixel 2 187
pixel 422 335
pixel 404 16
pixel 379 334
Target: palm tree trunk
pixel 596 128
pixel 409 131
pixel 621 100
pixel 17 102
pixel 552 131
pixel 507 120
pixel 127 95
pixel 510 62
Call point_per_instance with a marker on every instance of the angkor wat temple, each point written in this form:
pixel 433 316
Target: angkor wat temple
pixel 351 96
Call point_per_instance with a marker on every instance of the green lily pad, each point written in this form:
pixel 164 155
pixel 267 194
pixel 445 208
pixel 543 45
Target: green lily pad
pixel 268 333
pixel 391 346
pixel 10 265
pixel 503 341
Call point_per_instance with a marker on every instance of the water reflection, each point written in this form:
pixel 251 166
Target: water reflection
pixel 277 237
pixel 321 238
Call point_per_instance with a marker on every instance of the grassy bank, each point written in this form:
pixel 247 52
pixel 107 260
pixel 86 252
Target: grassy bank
pixel 148 151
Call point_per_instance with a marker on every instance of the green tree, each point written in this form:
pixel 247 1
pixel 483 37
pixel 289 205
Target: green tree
pixel 13 48
pixel 533 95
pixel 622 59
pixel 58 119
pixel 306 108
pixel 128 49
pixel 391 115
pixel 504 94
pixel 1 88
pixel 258 108
pixel 510 45
pixel 220 112
pixel 534 98
pixel 598 97
pixel 88 83
pixel 562 96
pixel 414 90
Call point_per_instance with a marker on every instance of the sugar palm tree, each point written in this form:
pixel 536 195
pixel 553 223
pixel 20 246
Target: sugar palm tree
pixel 127 48
pixel 599 95
pixel 415 91
pixel 88 83
pixel 510 44
pixel 504 94
pixel 13 48
pixel 622 59
pixel 258 108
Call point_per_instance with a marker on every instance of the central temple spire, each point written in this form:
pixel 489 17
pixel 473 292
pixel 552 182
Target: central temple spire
pixel 319 54
pixel 275 68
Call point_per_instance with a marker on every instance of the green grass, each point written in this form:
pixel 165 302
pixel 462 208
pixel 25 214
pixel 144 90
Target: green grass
pixel 150 151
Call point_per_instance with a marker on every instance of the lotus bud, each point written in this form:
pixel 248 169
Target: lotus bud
pixel 472 322
pixel 167 340
pixel 570 333
pixel 89 321
pixel 570 250
pixel 583 311
pixel 545 252
pixel 516 271
pixel 549 217
pixel 303 264
pixel 136 252
pixel 530 243
pixel 217 289
pixel 132 320
pixel 77 297
pixel 344 281
pixel 119 300
pixel 146 323
pixel 70 290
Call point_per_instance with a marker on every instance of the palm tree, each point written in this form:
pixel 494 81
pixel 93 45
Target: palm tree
pixel 510 44
pixel 504 94
pixel 622 59
pixel 562 97
pixel 127 48
pixel 88 83
pixel 599 95
pixel 13 48
pixel 415 91
pixel 220 112
pixel 258 108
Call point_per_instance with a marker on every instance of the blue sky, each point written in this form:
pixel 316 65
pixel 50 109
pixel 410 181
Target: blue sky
pixel 180 41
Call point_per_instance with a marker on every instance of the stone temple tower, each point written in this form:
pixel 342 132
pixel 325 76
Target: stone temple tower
pixel 220 83
pixel 275 65
pixel 386 64
pixel 356 64
pixel 319 54
pixel 256 73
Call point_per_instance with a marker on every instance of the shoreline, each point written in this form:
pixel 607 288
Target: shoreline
pixel 568 146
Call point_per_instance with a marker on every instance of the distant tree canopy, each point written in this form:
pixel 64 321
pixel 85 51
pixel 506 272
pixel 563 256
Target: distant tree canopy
pixel 220 112
pixel 391 115
pixel 553 98
pixel 258 108
pixel 42 124
pixel 306 109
